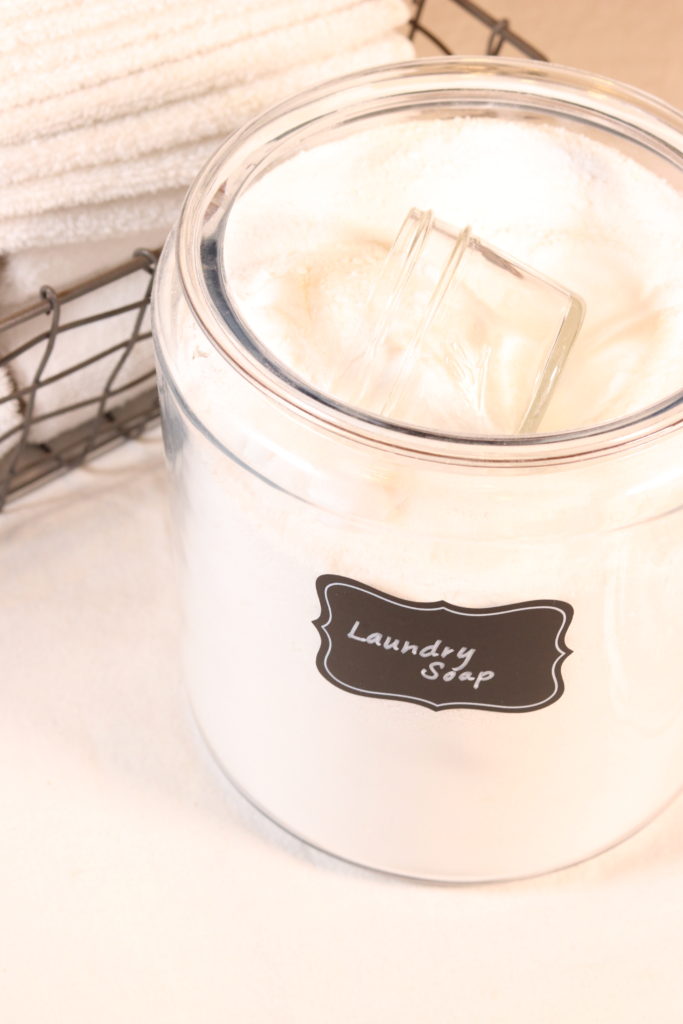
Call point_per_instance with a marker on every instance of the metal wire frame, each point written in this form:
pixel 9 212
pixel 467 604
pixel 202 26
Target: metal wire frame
pixel 115 417
pixel 122 411
pixel 499 35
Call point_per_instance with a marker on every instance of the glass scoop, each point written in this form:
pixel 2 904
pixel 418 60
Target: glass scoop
pixel 461 327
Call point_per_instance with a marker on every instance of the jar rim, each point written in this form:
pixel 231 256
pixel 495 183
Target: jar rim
pixel 630 112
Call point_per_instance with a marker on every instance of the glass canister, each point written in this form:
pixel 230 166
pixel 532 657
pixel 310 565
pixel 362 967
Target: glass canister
pixel 450 657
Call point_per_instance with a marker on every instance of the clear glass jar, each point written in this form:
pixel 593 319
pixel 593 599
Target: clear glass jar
pixel 283 495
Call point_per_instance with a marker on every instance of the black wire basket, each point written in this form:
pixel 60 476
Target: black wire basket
pixel 43 444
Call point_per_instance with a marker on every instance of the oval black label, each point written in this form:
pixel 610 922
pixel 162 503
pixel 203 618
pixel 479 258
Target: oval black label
pixel 440 655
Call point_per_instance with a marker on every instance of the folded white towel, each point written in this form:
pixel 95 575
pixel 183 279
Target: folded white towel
pixel 41 74
pixel 70 38
pixel 175 124
pixel 99 217
pixel 96 163
pixel 29 23
pixel 240 62
pixel 94 222
pixel 169 168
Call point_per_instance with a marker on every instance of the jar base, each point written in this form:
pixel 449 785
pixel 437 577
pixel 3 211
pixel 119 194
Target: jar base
pixel 426 876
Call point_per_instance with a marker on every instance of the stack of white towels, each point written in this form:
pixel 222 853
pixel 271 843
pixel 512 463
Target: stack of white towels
pixel 110 107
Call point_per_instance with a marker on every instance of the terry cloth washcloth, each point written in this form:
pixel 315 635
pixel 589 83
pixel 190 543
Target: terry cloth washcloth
pixel 153 184
pixel 212 114
pixel 94 223
pixel 29 23
pixel 47 71
pixel 109 112
pixel 240 62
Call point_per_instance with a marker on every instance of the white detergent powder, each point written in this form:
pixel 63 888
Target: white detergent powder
pixel 269 503
pixel 305 245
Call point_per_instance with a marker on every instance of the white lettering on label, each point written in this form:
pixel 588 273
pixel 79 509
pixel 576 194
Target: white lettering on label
pixel 483 677
pixel 431 672
pixel 437 669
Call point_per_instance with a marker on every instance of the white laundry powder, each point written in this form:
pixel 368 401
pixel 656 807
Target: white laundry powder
pixel 307 241
pixel 268 503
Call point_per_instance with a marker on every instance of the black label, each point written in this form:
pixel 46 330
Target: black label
pixel 439 655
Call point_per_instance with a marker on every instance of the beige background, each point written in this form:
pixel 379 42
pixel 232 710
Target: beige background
pixel 636 41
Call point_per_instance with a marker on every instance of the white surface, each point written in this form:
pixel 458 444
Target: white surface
pixel 137 886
